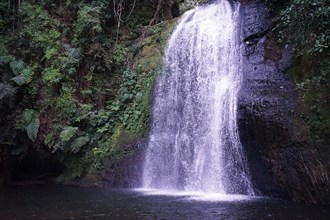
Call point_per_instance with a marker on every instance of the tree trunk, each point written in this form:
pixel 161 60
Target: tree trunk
pixel 163 7
pixel 168 9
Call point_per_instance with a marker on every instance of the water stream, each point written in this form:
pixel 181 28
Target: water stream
pixel 193 143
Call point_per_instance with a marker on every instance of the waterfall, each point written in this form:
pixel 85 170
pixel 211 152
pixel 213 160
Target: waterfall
pixel 193 143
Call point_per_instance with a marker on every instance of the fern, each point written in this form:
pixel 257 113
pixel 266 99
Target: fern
pixel 50 139
pixel 33 128
pixel 78 143
pixel 58 146
pixel 6 76
pixel 75 167
pixel 72 60
pixel 28 74
pixel 6 90
pixel 28 115
pixel 19 80
pixel 6 59
pixel 25 76
pixel 52 75
pixel 22 73
pixel 67 133
pixel 29 121
pixel 73 54
pixel 17 66
pixel 50 52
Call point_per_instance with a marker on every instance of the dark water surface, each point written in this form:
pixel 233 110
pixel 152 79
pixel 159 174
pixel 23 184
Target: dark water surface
pixel 64 202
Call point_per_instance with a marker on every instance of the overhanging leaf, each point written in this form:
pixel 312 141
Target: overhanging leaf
pixel 6 90
pixel 78 143
pixel 19 80
pixel 28 115
pixel 33 128
pixel 67 133
pixel 17 66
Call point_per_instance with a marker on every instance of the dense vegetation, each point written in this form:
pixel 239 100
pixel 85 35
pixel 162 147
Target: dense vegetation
pixel 70 88
pixel 305 25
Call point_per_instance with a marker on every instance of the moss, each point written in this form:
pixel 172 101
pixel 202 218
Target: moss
pixel 152 46
pixel 303 168
pixel 147 64
pixel 311 77
pixel 122 137
pixel 150 58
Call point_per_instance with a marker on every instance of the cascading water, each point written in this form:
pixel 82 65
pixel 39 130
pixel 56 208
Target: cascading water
pixel 194 143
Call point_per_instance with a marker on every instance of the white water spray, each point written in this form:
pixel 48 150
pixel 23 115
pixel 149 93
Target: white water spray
pixel 193 143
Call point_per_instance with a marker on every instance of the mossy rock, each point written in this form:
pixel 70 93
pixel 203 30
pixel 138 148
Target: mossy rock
pixel 152 46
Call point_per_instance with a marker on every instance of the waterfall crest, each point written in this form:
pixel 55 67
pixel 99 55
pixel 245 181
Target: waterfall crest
pixel 193 143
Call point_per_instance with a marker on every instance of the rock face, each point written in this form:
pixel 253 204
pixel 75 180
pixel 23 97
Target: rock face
pixel 282 161
pixel 127 172
pixel 267 99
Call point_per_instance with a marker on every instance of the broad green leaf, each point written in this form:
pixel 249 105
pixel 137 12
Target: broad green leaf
pixel 67 133
pixel 33 128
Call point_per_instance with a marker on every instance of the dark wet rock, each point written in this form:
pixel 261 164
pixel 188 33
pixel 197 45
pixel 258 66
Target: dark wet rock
pixel 267 100
pixel 281 159
pixel 127 172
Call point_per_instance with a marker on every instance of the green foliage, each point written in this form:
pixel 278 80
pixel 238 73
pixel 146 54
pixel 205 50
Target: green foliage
pixel 50 140
pixel 73 58
pixel 19 80
pixel 310 21
pixel 75 166
pixel 42 28
pixel 136 114
pixel 4 18
pixel 67 101
pixel 6 59
pixel 25 76
pixel 120 54
pixel 28 115
pixel 67 133
pixel 18 72
pixel 17 66
pixel 29 121
pixel 32 128
pixel 70 83
pixel 105 149
pixel 185 5
pixel 315 99
pixel 305 24
pixel 6 90
pixel 51 75
pixel 89 20
pixel 78 143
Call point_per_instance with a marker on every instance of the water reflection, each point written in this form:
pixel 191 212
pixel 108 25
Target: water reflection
pixel 63 202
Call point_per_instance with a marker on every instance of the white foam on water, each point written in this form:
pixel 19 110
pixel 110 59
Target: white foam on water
pixel 195 196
